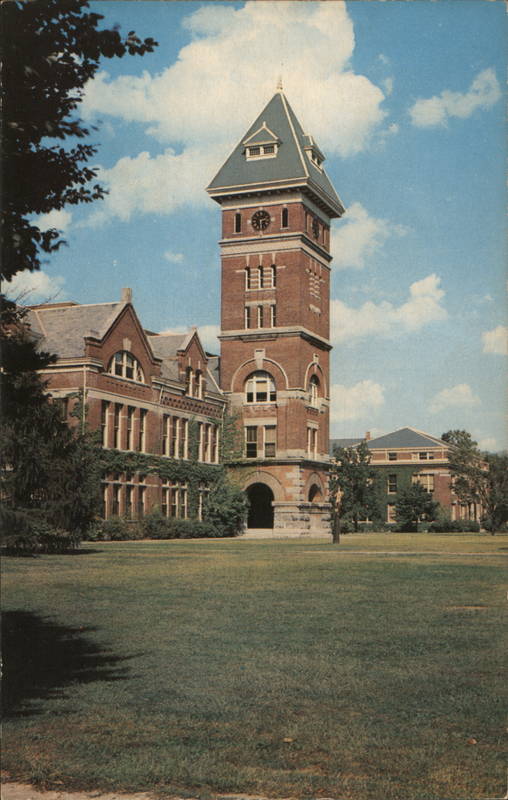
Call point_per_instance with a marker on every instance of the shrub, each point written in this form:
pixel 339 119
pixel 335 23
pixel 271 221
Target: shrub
pixel 455 526
pixel 118 529
pixel 226 509
pixel 156 526
pixel 28 533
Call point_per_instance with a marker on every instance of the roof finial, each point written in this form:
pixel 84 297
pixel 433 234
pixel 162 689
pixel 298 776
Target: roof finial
pixel 279 84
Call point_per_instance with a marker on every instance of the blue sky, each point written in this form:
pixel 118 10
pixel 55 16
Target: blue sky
pixel 406 101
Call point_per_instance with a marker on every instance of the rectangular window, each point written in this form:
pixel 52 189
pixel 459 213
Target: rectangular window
pixel 270 441
pixel 116 500
pixel 116 427
pixel 273 316
pixel 390 512
pixel 251 441
pixel 260 316
pixel 423 456
pixel 165 501
pixel 273 275
pixel 392 456
pixel 184 438
pixel 141 501
pixel 215 444
pixel 254 151
pixel 268 148
pixel 427 481
pixel 165 435
pixel 173 442
pixel 105 423
pixel 130 427
pixel 183 503
pixel 247 316
pixel 200 441
pixel 104 510
pixel 285 218
pixel 238 223
pixel 312 438
pixel 261 277
pixel 173 505
pixel 248 278
pixel 142 430
pixel 392 484
pixel 129 504
pixel 208 443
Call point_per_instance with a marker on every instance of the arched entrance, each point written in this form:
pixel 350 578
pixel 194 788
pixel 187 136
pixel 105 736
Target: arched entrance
pixel 260 506
pixel 315 494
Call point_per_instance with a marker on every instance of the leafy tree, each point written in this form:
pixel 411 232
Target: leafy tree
pixel 478 477
pixel 414 504
pixel 353 487
pixel 226 507
pixel 46 470
pixel 51 48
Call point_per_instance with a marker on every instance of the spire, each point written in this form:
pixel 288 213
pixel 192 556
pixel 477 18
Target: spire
pixel 279 84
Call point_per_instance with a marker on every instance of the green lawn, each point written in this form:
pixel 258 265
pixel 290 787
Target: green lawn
pixel 368 670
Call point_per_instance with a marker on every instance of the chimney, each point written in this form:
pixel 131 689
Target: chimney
pixel 126 296
pixel 367 436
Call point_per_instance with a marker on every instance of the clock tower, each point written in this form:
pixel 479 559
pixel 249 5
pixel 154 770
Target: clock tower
pixel 277 203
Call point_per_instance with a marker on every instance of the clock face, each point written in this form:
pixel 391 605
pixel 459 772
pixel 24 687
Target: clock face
pixel 260 220
pixel 315 228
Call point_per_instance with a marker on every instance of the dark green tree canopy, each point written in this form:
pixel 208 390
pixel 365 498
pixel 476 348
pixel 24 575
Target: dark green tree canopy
pixel 414 504
pixel 51 48
pixel 353 487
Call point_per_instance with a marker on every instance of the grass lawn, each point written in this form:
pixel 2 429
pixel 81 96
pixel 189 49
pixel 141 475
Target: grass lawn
pixel 372 669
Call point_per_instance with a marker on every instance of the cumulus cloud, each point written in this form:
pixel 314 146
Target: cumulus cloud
pixel 483 93
pixel 496 340
pixel 57 218
pixel 386 319
pixel 459 396
pixel 226 74
pixel 359 236
pixel 173 258
pixel 31 287
pixel 355 402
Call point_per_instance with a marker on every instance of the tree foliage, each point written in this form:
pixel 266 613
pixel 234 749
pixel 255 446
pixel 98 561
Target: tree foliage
pixel 353 487
pixel 478 477
pixel 414 504
pixel 46 470
pixel 51 48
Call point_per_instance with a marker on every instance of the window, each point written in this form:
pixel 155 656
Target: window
pixel 261 277
pixel 115 509
pixel 189 381
pixel 184 438
pixel 183 502
pixel 248 278
pixel 270 441
pixel 130 427
pixel 285 218
pixel 273 316
pixel 261 151
pixel 268 148
pixel 273 275
pixel 392 456
pixel 392 484
pixel 203 493
pixel 314 390
pixel 142 430
pixel 215 445
pixel 199 385
pixel 165 434
pixel 105 491
pixel 312 441
pixel 247 316
pixel 116 427
pixel 129 505
pixel 174 437
pixel 238 223
pixel 425 480
pixel 105 423
pixel 124 365
pixel 253 151
pixel 261 316
pixel 390 512
pixel 260 388
pixel 423 456
pixel 141 501
pixel 251 441
pixel 200 441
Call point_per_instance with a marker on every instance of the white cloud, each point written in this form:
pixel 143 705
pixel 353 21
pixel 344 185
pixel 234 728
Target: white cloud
pixel 173 258
pixel 459 396
pixel 30 287
pixel 355 402
pixel 359 236
pixel 496 340
pixel 422 307
pixel 483 93
pixel 202 104
pixel 57 218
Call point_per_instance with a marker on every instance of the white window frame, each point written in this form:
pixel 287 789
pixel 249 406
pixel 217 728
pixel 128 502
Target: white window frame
pixel 251 387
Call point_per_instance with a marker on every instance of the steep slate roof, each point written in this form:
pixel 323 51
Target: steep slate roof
pixel 405 437
pixel 62 329
pixel 290 167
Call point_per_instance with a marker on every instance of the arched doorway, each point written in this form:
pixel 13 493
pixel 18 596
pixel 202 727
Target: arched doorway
pixel 260 506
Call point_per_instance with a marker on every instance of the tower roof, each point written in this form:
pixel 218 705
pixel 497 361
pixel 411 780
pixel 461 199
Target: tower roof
pixel 296 162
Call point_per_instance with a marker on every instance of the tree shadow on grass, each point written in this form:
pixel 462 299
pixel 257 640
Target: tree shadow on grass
pixel 42 657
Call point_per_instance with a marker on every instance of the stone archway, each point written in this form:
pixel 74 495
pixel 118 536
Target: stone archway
pixel 315 494
pixel 260 498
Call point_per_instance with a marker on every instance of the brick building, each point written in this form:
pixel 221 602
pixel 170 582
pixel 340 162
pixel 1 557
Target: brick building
pixel 409 456
pixel 277 203
pixel 148 394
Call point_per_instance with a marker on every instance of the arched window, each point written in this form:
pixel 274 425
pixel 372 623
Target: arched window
pixel 314 390
pixel 124 365
pixel 260 388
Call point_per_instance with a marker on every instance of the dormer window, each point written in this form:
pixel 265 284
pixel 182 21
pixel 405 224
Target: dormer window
pixel 261 151
pixel 315 156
